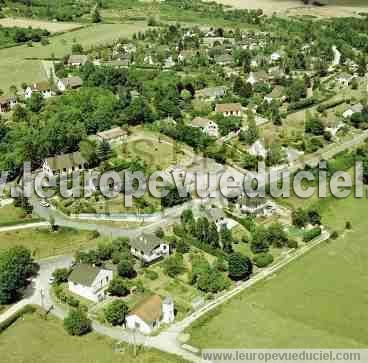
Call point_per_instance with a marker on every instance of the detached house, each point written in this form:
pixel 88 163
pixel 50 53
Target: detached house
pixel 150 314
pixel 148 247
pixel 208 127
pixel 44 88
pixel 113 135
pixel 64 164
pixel 344 79
pixel 77 60
pixel 69 83
pixel 357 108
pixel 229 109
pixel 211 93
pixel 89 281
pixel 7 103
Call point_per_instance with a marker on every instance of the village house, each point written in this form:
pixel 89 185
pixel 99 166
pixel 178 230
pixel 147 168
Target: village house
pixel 257 149
pixel 275 57
pixel 148 247
pixel 344 79
pixel 77 60
pixel 64 84
pixel 89 281
pixel 224 59
pixel 277 94
pixel 217 216
pixel 150 314
pixel 211 93
pixel 7 103
pixel 208 127
pixel 257 77
pixel 44 88
pixel 357 108
pixel 113 135
pixel 64 164
pixel 229 109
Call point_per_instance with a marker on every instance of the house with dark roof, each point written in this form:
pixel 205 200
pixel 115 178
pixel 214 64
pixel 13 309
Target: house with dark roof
pixel 148 247
pixel 150 314
pixel 69 83
pixel 64 164
pixel 89 281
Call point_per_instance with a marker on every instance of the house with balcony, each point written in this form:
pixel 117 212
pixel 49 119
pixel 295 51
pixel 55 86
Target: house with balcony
pixel 148 247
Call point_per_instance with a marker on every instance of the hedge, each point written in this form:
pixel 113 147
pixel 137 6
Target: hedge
pixel 330 104
pixel 307 102
pixel 263 259
pixel 28 309
pixel 311 234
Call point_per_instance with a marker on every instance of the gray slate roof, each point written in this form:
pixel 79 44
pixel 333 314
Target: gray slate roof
pixel 84 274
pixel 146 243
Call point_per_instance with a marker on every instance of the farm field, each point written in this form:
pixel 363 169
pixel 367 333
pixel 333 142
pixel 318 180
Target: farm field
pixel 44 243
pixel 18 64
pixel 308 304
pixel 52 27
pixel 66 349
pixel 295 7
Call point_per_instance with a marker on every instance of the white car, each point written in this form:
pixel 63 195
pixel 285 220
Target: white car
pixel 44 203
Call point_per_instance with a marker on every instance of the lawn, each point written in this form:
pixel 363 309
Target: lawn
pixel 22 64
pixel 319 301
pixel 51 26
pixel 44 243
pixel 34 340
pixel 10 214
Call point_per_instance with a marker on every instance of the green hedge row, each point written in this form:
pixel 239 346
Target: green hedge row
pixel 28 309
pixel 311 234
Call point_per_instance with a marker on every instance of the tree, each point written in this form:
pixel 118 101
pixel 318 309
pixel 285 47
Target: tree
pixel 276 235
pixel 240 267
pixel 77 323
pixel 260 240
pixel 174 265
pixel 36 102
pixel 116 312
pixel 126 268
pixel 77 48
pixel 88 149
pixel 251 133
pixel 61 275
pixel 16 266
pixel 313 125
pixel 103 151
pixel 299 217
pixel 263 259
pixel 117 287
pixel 96 16
pixel 212 280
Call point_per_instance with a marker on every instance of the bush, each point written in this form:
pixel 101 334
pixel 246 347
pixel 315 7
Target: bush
pixel 311 234
pixel 240 267
pixel 77 323
pixel 116 312
pixel 117 287
pixel 334 235
pixel 182 247
pixel 263 259
pixel 292 243
pixel 348 225
pixel 61 275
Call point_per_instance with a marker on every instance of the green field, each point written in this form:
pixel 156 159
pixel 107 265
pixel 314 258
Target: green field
pixel 33 340
pixel 44 243
pixel 17 65
pixel 319 301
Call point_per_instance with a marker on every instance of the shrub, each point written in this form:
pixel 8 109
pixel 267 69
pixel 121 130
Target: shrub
pixel 334 235
pixel 126 267
pixel 116 312
pixel 311 234
pixel 240 267
pixel 263 259
pixel 117 287
pixel 61 275
pixel 77 323
pixel 292 243
pixel 348 225
pixel 182 247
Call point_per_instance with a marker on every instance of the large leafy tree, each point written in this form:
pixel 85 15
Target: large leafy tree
pixel 240 267
pixel 16 266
